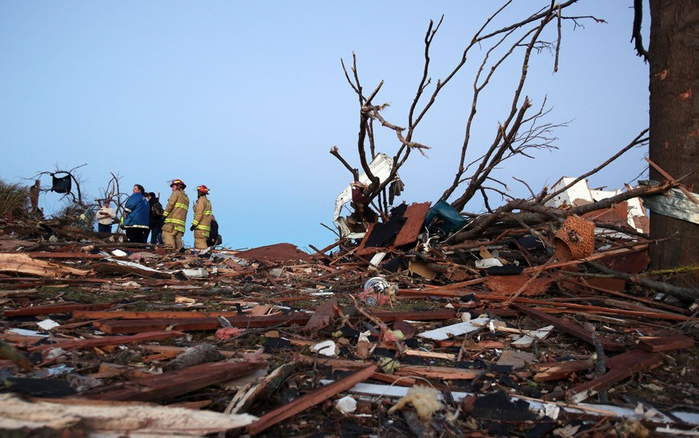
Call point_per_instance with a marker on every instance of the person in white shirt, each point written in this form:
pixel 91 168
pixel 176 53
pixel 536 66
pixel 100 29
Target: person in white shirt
pixel 105 218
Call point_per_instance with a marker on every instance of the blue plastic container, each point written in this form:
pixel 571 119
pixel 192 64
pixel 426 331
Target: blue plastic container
pixel 450 219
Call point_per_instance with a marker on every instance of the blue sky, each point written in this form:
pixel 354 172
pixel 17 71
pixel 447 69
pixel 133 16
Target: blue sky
pixel 248 98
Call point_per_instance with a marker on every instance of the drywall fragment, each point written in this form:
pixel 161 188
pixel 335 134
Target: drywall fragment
pixel 526 340
pixel 459 329
pixel 346 404
pixel 326 348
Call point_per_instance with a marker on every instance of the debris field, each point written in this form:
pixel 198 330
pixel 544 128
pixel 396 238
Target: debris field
pixel 546 329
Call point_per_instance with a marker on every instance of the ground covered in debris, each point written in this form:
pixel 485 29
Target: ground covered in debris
pixel 500 336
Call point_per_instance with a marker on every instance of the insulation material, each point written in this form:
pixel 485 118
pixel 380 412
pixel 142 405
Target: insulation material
pixel 425 400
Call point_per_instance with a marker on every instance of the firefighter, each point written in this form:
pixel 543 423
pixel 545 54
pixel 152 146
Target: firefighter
pixel 201 224
pixel 175 215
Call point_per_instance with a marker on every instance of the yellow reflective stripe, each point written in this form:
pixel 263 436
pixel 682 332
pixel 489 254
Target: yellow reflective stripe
pixel 165 213
pixel 182 206
pixel 195 223
pixel 178 228
pixel 203 227
pixel 207 213
pixel 172 220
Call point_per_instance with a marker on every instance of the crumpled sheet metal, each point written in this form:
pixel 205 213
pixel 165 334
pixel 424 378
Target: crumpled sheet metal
pixel 381 167
pixel 674 204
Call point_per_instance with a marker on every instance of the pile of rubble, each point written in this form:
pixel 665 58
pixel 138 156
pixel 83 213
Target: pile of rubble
pixel 528 330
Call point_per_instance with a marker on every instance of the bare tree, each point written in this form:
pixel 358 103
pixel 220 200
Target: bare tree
pixel 70 177
pixel 113 193
pixel 521 131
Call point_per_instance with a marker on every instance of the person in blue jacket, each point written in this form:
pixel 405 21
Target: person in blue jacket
pixel 136 217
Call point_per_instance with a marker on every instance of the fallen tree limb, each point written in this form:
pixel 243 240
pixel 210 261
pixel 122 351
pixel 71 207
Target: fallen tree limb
pixel 533 213
pixel 675 291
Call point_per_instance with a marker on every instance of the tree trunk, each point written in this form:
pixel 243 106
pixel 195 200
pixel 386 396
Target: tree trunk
pixel 674 125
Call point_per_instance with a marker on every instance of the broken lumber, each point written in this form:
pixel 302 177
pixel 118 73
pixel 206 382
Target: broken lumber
pixel 24 264
pixel 170 384
pixel 570 328
pixel 66 417
pixel 654 344
pixel 115 326
pixel 311 399
pixel 55 308
pixel 109 340
pixel 621 367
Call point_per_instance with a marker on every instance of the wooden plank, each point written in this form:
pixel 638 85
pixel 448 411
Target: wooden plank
pixel 120 326
pixel 196 324
pixel 596 256
pixel 415 214
pixel 429 354
pixel 171 384
pixel 21 293
pixel 158 314
pixel 433 315
pixel 578 308
pixel 109 340
pixel 622 367
pixel 446 373
pixel 547 372
pixel 570 328
pixel 664 343
pixel 394 379
pixel 411 293
pixel 20 263
pixel 131 269
pixel 65 255
pixel 171 349
pixel 309 400
pixel 589 283
pixel 55 308
pixel 79 417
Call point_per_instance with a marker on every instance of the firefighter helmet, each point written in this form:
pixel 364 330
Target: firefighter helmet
pixel 179 183
pixel 203 189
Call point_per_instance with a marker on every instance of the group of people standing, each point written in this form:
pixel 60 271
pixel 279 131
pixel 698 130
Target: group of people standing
pixel 143 214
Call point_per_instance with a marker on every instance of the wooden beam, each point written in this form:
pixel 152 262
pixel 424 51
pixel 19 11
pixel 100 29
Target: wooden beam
pixel 157 314
pixel 171 384
pixel 66 255
pixel 311 399
pixel 546 372
pixel 114 326
pixel 20 263
pixel 108 340
pixel 55 308
pixel 110 325
pixel 664 343
pixel 416 315
pixel 621 367
pixel 79 417
pixel 570 328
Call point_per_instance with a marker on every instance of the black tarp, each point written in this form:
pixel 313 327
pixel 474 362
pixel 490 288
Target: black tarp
pixel 61 184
